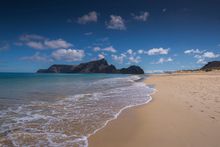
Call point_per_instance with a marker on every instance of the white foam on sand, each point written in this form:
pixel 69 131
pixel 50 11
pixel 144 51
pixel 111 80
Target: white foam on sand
pixel 72 120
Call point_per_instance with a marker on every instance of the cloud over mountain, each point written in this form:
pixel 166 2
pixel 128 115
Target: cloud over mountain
pixel 69 55
pixel 201 55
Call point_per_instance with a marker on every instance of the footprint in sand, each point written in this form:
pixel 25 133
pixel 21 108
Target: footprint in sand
pixel 212 117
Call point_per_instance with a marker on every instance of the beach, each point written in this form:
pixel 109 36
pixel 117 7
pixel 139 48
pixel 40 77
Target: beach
pixel 63 109
pixel 184 112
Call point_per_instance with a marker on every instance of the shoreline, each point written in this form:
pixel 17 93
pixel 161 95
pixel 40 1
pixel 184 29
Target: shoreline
pixel 143 125
pixel 119 113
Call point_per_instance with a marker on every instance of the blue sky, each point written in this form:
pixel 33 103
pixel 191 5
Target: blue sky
pixel 155 34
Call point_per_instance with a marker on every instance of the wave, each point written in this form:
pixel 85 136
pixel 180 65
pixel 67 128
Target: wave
pixel 72 119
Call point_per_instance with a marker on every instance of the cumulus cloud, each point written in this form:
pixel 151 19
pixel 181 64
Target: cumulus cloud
pixel 158 51
pixel 119 58
pixel 201 55
pixel 193 51
pixel 130 51
pixel 58 43
pixel 201 61
pixel 141 51
pixel 96 49
pixel 87 18
pixel 210 55
pixel 41 43
pixel 129 55
pixel 106 49
pixel 142 17
pixel 109 49
pixel 116 23
pixel 163 60
pixel 68 54
pixel 37 57
pixel 204 56
pixel 35 45
pixel 101 56
pixel 133 59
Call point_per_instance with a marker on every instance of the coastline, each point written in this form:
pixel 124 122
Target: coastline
pixel 120 112
pixel 175 116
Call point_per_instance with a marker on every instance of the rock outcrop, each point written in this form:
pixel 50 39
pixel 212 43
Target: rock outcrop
pixel 131 70
pixel 98 66
pixel 214 65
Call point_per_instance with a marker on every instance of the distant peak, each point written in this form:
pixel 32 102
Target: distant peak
pixel 97 66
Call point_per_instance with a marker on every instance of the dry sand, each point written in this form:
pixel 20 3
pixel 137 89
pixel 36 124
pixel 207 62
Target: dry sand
pixel 184 112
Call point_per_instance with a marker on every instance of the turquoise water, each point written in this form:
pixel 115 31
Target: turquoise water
pixel 25 87
pixel 63 109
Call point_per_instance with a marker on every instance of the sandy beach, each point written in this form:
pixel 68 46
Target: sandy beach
pixel 184 112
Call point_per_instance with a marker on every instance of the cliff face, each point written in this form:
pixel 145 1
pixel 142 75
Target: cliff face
pixel 98 66
pixel 214 65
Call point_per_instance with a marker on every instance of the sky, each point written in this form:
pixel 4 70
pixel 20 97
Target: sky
pixel 157 35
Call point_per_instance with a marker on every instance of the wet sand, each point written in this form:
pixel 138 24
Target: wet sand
pixel 184 112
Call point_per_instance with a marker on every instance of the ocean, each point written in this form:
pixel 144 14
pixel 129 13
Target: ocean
pixel 63 109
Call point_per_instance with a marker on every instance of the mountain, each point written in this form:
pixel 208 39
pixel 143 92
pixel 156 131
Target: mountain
pixel 98 66
pixel 214 65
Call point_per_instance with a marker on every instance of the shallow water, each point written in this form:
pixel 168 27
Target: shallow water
pixel 63 109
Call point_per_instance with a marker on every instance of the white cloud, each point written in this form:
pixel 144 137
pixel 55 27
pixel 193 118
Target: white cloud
pixel 119 58
pixel 142 17
pixel 41 43
pixel 101 56
pixel 96 49
pixel 154 71
pixel 133 59
pixel 141 51
pixel 116 23
pixel 109 49
pixel 59 43
pixel 129 55
pixel 68 54
pixel 163 60
pixel 201 61
pixel 201 56
pixel 87 18
pixel 130 51
pixel 35 45
pixel 158 51
pixel 193 51
pixel 210 55
pixel 37 57
pixel 106 49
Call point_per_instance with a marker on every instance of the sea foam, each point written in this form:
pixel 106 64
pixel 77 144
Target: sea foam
pixel 70 120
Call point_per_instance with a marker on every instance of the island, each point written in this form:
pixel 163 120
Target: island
pixel 97 66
